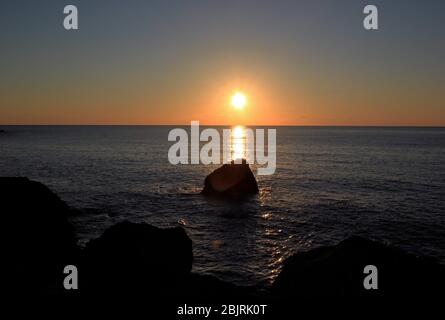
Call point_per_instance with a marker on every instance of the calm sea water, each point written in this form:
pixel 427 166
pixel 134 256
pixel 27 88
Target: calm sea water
pixel 383 183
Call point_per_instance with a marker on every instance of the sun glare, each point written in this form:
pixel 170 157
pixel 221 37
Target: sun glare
pixel 239 100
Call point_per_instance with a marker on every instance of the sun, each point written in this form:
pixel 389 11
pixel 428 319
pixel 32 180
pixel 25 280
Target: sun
pixel 239 100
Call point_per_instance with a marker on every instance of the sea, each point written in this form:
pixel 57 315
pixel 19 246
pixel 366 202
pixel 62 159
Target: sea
pixel 383 183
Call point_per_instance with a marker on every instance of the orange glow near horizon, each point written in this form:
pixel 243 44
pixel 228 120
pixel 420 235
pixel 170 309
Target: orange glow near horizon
pixel 263 101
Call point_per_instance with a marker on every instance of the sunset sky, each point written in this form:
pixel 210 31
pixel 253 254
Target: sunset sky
pixel 170 62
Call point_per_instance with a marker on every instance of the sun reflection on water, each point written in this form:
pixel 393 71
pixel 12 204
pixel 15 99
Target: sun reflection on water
pixel 238 143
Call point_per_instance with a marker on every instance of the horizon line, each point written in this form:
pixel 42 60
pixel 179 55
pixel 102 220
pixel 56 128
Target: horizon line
pixel 228 125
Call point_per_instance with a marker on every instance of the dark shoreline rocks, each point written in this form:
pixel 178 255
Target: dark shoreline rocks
pixel 339 271
pixel 37 237
pixel 137 257
pixel 145 261
pixel 140 260
pixel 232 181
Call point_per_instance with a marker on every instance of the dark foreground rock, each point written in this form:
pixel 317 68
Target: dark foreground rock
pixel 129 259
pixel 231 181
pixel 37 239
pixel 138 257
pixel 338 271
pixel 143 261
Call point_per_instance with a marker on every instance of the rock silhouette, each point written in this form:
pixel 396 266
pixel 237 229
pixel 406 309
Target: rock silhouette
pixel 140 260
pixel 137 257
pixel 338 271
pixel 36 236
pixel 231 181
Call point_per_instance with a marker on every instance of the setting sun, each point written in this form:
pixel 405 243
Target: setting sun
pixel 239 100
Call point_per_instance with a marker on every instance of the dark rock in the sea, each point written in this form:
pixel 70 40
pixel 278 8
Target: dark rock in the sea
pixel 231 181
pixel 37 238
pixel 339 271
pixel 138 257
